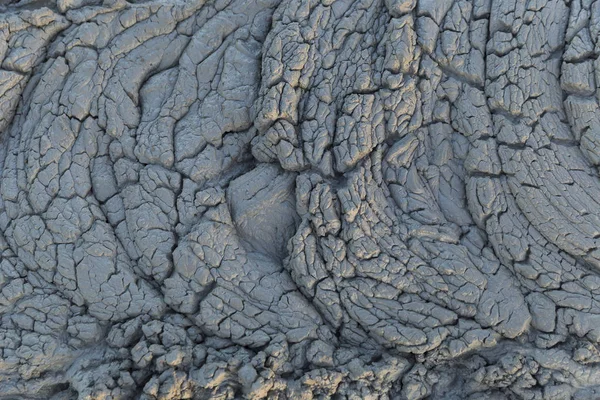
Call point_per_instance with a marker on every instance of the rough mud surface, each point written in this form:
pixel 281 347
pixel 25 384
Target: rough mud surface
pixel 300 199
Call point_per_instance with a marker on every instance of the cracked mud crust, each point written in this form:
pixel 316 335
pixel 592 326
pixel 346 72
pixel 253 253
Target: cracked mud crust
pixel 300 199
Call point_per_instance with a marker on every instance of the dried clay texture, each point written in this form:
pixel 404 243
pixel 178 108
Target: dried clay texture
pixel 300 199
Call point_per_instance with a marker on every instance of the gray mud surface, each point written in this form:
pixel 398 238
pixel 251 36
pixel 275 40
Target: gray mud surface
pixel 300 199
